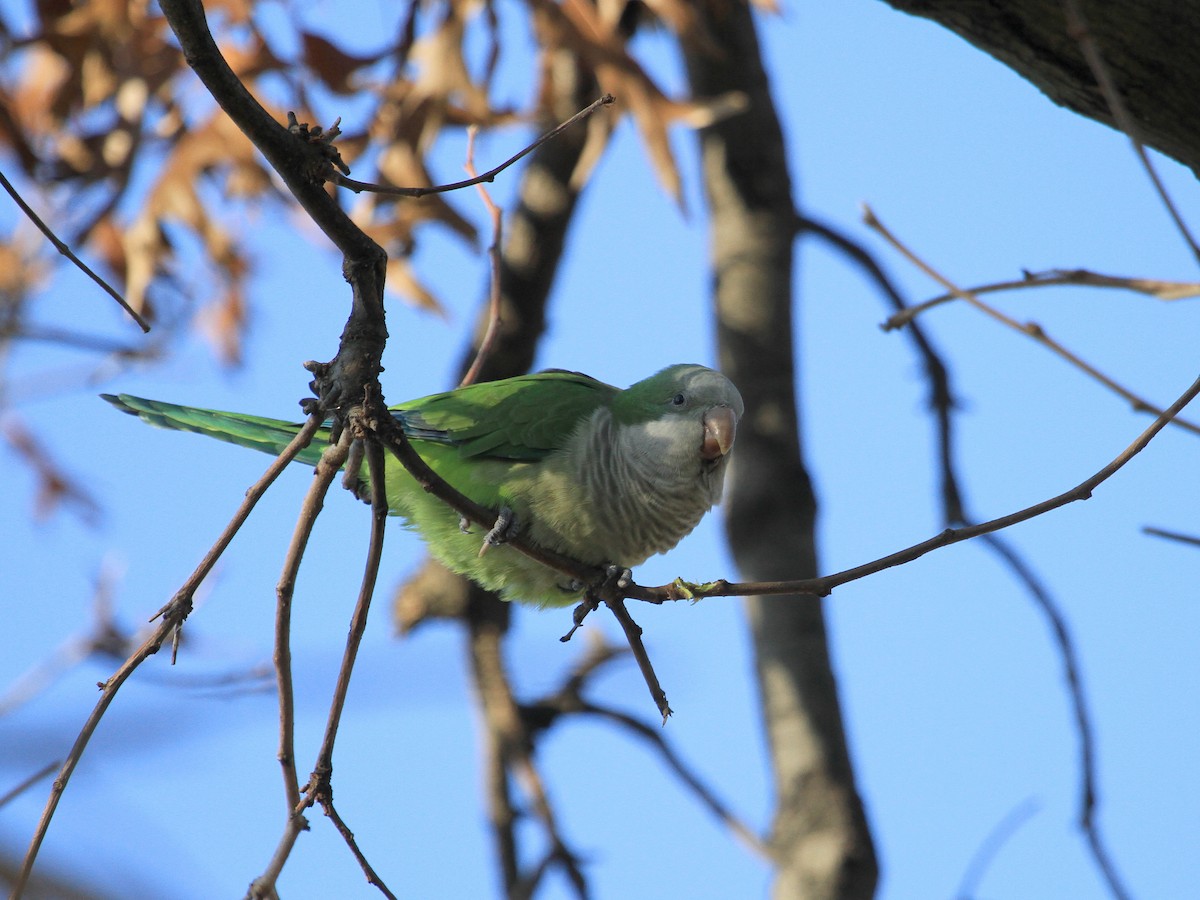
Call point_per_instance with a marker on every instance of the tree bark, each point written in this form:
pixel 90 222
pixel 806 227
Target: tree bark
pixel 1150 47
pixel 819 836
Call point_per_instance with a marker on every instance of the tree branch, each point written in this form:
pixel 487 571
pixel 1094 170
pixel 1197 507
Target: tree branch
pixel 172 615
pixel 487 177
pixel 66 251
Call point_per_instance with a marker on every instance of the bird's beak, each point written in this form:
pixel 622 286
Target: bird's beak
pixel 720 426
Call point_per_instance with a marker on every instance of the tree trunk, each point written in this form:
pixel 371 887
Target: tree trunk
pixel 819 836
pixel 1151 49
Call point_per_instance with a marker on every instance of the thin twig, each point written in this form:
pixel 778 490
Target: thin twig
pixel 1153 287
pixel 26 783
pixel 633 634
pixel 1029 329
pixel 69 254
pixel 493 326
pixel 1078 29
pixel 77 340
pixel 326 470
pixel 348 837
pixel 320 787
pixel 1172 535
pixel 703 793
pixel 172 616
pixel 490 175
pixel 568 700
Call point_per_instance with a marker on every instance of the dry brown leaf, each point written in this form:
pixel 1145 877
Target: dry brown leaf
pixel 22 267
pixel 403 282
pixel 55 487
pixel 333 65
pixel 442 70
pixel 224 324
pixel 577 26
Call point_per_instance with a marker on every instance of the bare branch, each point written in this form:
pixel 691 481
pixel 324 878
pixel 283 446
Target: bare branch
pixel 348 837
pixel 1072 674
pixel 490 175
pixel 172 616
pixel 320 787
pixel 69 254
pixel 954 512
pixel 1173 535
pixel 633 634
pixel 1152 287
pixel 326 470
pixel 26 783
pixel 568 700
pixel 492 331
pixel 1029 329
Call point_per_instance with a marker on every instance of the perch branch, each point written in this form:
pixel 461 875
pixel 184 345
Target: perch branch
pixel 823 585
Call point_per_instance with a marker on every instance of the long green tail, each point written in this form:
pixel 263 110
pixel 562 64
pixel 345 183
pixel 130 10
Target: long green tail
pixel 255 432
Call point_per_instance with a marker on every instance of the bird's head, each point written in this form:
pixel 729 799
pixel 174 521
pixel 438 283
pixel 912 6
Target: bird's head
pixel 683 413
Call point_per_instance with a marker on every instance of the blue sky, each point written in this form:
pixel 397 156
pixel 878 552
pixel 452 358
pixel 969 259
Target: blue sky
pixel 953 691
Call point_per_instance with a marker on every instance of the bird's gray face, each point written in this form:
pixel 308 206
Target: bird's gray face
pixel 710 398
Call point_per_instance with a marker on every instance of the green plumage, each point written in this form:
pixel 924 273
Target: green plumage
pixel 602 475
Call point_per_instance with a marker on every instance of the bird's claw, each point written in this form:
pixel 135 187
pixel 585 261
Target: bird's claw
pixel 505 529
pixel 618 576
pixel 464 524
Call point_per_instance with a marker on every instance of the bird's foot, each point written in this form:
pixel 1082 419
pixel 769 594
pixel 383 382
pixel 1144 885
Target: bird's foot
pixel 464 524
pixel 352 473
pixel 615 578
pixel 618 577
pixel 505 529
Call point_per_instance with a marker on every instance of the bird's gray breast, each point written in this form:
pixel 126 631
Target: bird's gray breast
pixel 646 485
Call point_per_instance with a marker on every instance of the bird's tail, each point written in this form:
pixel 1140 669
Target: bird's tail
pixel 255 432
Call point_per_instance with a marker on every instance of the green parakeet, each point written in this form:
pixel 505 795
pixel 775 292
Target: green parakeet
pixel 603 475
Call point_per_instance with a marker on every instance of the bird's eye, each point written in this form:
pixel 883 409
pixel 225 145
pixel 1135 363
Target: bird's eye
pixel 678 400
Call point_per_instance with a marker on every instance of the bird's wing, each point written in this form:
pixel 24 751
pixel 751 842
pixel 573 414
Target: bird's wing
pixel 522 418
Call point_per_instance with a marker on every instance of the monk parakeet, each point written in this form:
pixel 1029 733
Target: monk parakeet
pixel 606 476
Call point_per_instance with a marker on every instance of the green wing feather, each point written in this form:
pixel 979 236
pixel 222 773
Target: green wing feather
pixel 520 419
